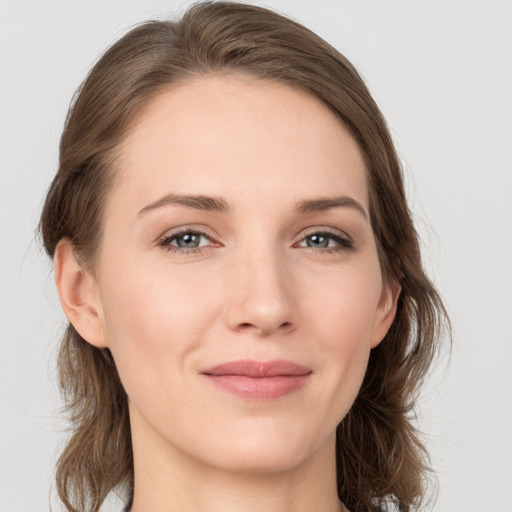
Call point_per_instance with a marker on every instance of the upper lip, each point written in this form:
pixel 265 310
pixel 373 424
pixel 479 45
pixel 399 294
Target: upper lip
pixel 249 368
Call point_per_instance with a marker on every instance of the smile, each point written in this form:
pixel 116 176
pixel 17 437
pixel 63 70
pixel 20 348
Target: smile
pixel 259 380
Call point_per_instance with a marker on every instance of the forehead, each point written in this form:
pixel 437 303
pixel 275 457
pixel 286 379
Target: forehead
pixel 240 136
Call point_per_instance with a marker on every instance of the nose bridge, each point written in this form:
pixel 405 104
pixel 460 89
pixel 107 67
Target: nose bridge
pixel 260 297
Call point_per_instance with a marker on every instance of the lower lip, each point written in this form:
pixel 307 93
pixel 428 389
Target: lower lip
pixel 259 388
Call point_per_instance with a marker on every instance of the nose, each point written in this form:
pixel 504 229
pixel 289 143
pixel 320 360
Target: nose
pixel 261 298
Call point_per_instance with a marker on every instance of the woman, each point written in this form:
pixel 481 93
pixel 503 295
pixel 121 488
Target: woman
pixel 249 317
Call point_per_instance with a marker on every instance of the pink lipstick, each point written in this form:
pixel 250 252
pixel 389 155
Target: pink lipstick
pixel 259 380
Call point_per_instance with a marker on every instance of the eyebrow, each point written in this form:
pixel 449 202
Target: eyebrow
pixel 219 205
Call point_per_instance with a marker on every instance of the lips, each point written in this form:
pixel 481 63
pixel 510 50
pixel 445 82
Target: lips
pixel 260 380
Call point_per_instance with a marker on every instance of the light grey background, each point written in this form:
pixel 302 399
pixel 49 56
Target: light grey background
pixel 442 73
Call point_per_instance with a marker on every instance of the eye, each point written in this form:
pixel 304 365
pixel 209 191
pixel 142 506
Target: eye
pixel 189 241
pixel 185 241
pixel 334 242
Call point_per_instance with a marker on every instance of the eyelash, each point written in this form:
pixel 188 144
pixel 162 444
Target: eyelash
pixel 344 242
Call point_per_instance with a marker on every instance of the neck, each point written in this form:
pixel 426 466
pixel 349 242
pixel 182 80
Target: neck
pixel 168 480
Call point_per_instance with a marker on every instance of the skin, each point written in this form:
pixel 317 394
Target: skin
pixel 259 287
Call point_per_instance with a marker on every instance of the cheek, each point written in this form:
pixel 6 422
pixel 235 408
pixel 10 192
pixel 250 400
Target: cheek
pixel 140 297
pixel 343 319
pixel 347 305
pixel 152 315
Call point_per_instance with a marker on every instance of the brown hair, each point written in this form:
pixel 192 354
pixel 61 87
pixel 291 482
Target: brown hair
pixel 381 462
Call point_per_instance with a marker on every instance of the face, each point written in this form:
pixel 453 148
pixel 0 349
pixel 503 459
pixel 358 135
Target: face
pixel 238 282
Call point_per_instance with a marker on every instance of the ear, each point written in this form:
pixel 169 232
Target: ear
pixel 79 296
pixel 386 311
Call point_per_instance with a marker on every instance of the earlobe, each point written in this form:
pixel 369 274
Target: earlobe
pixel 386 311
pixel 78 295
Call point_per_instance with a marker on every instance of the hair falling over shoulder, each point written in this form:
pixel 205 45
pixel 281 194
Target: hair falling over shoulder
pixel 382 464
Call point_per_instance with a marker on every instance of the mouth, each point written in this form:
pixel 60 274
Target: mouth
pixel 258 380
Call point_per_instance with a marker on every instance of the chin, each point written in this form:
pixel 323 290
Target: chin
pixel 265 450
pixel 260 461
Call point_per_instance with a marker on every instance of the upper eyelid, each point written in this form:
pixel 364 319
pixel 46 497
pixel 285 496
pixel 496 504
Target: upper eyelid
pixel 186 229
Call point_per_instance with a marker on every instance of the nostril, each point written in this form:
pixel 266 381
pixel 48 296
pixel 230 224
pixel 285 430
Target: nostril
pixel 265 328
